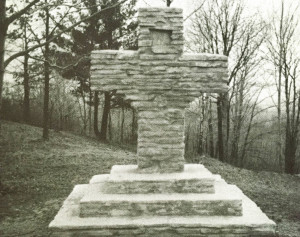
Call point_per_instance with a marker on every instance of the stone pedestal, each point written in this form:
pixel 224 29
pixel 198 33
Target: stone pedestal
pixel 193 202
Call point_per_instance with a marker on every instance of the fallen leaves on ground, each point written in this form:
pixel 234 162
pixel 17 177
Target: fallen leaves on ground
pixel 36 177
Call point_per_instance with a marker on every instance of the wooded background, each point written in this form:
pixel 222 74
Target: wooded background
pixel 47 46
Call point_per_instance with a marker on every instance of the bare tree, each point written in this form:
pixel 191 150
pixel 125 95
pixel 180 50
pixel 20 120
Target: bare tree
pixel 220 27
pixel 284 55
pixel 6 21
pixel 105 114
pixel 46 75
pixel 26 83
pixel 102 134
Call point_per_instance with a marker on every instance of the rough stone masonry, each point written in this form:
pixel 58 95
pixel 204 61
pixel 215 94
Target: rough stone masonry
pixel 160 80
pixel 161 196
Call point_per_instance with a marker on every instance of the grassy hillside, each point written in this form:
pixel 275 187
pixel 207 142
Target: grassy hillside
pixel 36 177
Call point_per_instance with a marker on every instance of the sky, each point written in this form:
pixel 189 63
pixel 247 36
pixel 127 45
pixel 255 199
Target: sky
pixel 265 7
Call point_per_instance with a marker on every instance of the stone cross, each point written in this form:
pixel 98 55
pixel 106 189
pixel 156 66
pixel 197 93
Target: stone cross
pixel 159 80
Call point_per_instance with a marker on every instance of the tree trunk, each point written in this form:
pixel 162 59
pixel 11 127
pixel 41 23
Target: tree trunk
pixel 26 105
pixel 106 109
pixel 26 109
pixel 51 119
pixel 210 130
pixel 96 105
pixel 133 133
pixel 47 80
pixel 122 124
pixel 292 123
pixel 237 122
pixel 220 128
pixel 290 154
pixel 90 113
pixel 90 107
pixel 226 115
pixel 200 147
pixel 280 162
pixel 186 140
pixel 235 148
pixel 109 126
pixel 84 110
pixel 3 30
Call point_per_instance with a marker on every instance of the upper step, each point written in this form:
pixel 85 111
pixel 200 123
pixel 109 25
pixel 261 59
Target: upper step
pixel 126 179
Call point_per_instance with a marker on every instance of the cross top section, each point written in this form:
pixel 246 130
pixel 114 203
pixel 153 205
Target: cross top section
pixel 160 81
pixel 160 31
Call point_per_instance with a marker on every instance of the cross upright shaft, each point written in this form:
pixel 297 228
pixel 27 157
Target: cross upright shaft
pixel 160 81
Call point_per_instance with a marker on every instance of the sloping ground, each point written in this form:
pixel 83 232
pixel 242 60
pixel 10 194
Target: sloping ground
pixel 37 176
pixel 278 195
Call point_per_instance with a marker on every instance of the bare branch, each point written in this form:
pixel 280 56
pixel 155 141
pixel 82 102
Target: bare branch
pixel 99 13
pixel 21 12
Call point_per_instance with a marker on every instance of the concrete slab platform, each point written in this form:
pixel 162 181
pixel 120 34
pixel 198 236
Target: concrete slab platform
pixel 67 222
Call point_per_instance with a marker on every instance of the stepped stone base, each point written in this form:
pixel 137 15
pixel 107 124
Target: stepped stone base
pixel 126 179
pixel 79 215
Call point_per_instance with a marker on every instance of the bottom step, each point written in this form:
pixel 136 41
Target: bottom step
pixel 67 223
